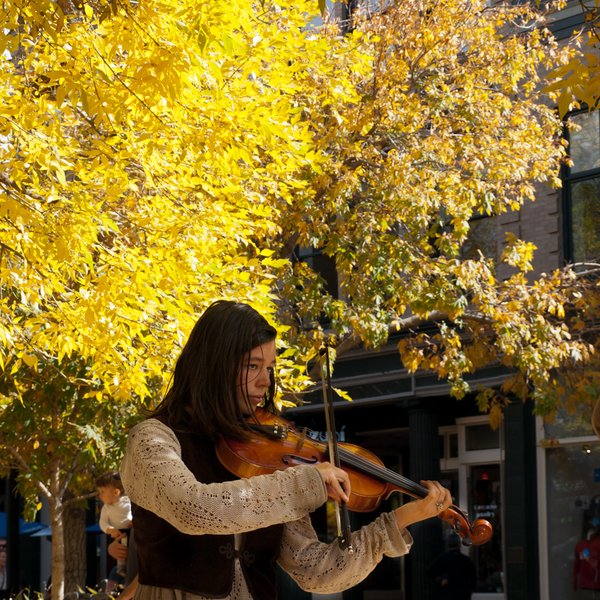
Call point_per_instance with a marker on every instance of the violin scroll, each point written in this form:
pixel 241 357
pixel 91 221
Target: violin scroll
pixel 479 533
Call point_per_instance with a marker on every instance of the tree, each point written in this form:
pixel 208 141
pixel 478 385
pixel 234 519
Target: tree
pixel 159 155
pixel 575 84
pixel 126 209
pixel 450 123
pixel 576 80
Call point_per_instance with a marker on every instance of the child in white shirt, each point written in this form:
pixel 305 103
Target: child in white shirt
pixel 115 515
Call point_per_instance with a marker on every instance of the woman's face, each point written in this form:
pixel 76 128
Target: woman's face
pixel 255 376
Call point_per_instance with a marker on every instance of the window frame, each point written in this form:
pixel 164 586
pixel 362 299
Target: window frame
pixel 569 179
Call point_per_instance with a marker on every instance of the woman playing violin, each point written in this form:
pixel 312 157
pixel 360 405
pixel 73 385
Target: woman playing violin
pixel 203 533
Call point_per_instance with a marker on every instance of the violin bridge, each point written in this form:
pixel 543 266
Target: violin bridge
pixel 301 439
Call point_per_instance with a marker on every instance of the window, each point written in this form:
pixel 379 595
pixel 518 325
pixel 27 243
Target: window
pixel 482 238
pixel 485 502
pixel 323 265
pixel 571 459
pixel 479 469
pixel 481 437
pixel 582 189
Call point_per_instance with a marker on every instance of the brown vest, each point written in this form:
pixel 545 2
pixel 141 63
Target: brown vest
pixel 203 564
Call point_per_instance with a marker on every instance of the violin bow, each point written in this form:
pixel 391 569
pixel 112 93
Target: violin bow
pixel 341 510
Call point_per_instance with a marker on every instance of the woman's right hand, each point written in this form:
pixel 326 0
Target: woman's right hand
pixel 336 480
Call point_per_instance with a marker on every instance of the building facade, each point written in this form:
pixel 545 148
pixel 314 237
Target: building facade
pixel 537 483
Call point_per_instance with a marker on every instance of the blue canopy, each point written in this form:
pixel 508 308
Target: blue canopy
pixel 25 527
pixel 46 530
pixel 42 531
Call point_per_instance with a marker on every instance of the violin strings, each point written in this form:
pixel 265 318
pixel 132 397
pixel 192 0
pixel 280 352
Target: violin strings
pixel 382 472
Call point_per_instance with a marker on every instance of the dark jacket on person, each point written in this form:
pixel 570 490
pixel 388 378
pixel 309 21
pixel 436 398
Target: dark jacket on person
pixel 455 575
pixel 203 564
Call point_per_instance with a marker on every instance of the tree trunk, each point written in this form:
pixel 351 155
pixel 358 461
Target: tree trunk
pixel 58 549
pixel 55 501
pixel 75 552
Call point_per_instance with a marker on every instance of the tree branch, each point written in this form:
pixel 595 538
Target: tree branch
pixel 24 466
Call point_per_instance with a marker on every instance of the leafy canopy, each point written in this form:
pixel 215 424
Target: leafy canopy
pixel 159 155
pixel 575 80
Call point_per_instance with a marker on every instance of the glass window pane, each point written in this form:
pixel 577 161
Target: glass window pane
pixel 482 238
pixel 584 146
pixel 568 425
pixel 485 503
pixel 449 479
pixel 481 437
pixel 453 445
pixel 585 217
pixel 573 494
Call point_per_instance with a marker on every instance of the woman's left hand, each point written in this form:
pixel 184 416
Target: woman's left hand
pixel 437 500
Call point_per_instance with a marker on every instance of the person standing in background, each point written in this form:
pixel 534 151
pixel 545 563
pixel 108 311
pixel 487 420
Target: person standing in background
pixel 3 568
pixel 454 572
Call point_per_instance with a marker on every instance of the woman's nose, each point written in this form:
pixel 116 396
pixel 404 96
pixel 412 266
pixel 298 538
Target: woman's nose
pixel 264 377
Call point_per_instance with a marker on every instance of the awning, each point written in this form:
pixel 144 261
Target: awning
pixel 46 530
pixel 25 527
pixel 43 531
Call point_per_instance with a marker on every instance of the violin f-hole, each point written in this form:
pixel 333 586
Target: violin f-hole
pixel 290 459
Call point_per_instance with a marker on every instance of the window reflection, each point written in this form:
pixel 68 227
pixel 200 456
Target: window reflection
pixel 582 189
pixel 567 425
pixel 585 216
pixel 573 494
pixel 584 144
pixel 482 239
pixel 485 503
pixel 481 437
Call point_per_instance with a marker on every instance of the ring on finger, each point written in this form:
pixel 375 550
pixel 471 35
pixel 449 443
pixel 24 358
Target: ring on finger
pixel 439 506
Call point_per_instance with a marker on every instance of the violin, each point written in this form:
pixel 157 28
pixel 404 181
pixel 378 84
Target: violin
pixel 275 444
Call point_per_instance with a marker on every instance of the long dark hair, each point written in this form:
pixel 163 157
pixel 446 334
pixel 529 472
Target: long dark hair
pixel 202 397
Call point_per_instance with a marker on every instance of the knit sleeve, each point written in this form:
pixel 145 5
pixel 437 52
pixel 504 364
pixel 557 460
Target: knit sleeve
pixel 155 478
pixel 326 568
